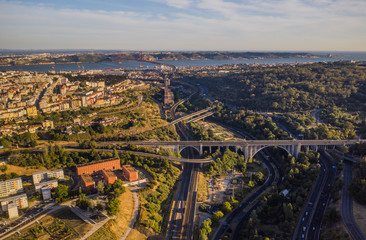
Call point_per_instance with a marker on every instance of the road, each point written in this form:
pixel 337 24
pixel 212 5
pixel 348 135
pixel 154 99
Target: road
pixel 310 221
pixel 347 204
pixel 181 223
pixel 316 115
pixel 239 142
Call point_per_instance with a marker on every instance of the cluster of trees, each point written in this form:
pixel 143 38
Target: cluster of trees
pixel 157 195
pixel 255 124
pixel 339 125
pixel 290 88
pixel 22 140
pixel 226 162
pixel 56 156
pixel 207 225
pixel 279 211
pixel 198 131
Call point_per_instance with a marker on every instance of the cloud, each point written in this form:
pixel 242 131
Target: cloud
pixel 183 4
pixel 193 25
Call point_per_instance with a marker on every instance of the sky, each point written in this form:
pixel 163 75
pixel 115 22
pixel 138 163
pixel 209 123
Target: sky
pixel 232 25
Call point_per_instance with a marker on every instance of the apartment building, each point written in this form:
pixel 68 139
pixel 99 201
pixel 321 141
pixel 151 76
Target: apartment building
pixel 11 186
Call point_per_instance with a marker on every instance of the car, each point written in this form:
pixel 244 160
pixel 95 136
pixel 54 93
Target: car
pixel 313 228
pixel 302 236
pixel 306 213
pixel 304 228
pixel 303 219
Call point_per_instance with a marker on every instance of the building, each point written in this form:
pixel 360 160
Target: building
pixel 39 177
pixel 46 193
pixel 109 177
pixel 11 186
pixel 46 175
pixel 87 181
pixel 12 211
pixel 32 111
pixel 129 172
pixel 90 168
pixel 58 174
pixel 47 124
pixel 21 201
pixel 50 184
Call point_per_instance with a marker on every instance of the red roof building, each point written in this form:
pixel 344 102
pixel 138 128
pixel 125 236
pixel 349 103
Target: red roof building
pixel 93 167
pixel 129 172
pixel 87 181
pixel 109 177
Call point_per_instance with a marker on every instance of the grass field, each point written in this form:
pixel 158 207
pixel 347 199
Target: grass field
pixel 23 170
pixel 114 229
pixel 136 235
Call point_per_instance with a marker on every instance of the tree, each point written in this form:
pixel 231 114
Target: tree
pixel 113 206
pixel 226 208
pixel 83 202
pixel 217 216
pixel 62 193
pixel 100 187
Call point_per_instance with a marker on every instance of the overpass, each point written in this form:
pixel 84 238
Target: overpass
pixel 192 115
pixel 249 147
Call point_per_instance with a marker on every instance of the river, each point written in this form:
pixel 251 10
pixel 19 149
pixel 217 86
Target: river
pixel 337 56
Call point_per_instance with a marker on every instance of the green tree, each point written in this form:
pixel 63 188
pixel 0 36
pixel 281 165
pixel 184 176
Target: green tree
pixel 62 193
pixel 113 206
pixel 226 208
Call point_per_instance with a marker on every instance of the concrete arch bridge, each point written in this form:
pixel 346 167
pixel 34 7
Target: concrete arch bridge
pixel 250 147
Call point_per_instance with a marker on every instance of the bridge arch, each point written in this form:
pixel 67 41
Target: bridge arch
pixel 194 147
pixel 263 147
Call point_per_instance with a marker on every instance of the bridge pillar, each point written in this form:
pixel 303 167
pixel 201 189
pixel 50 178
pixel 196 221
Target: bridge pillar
pixel 236 149
pixel 248 152
pixel 297 150
pixel 210 149
pixel 201 149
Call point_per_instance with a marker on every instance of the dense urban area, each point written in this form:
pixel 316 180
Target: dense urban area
pixel 234 151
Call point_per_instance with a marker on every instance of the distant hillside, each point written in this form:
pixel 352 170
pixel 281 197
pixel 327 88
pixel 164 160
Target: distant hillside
pixel 57 58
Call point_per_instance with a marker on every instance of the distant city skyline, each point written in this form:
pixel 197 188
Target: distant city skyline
pixel 188 25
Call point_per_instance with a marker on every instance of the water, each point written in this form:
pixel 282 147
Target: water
pixel 337 56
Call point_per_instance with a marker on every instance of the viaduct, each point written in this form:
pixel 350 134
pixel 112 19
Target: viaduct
pixel 248 147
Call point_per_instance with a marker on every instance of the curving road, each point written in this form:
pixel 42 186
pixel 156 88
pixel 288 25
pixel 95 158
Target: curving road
pixel 347 204
pixel 310 221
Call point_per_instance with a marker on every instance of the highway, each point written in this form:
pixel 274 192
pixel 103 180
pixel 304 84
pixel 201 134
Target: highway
pixel 310 220
pixel 181 223
pixel 347 204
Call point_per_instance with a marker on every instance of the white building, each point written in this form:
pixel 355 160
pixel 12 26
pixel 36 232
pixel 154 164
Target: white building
pixel 50 184
pixel 46 193
pixel 21 201
pixel 46 175
pixel 11 186
pixel 12 211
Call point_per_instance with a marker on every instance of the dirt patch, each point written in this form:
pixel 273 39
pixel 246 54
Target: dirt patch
pixel 136 235
pixel 202 192
pixel 23 170
pixel 359 213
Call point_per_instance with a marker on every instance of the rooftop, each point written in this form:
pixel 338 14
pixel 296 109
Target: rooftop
pixel 87 178
pixel 129 168
pixel 108 173
pixel 101 161
pixel 14 197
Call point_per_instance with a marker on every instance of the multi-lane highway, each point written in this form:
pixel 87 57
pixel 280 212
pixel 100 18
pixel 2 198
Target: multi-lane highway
pixel 347 204
pixel 181 223
pixel 309 224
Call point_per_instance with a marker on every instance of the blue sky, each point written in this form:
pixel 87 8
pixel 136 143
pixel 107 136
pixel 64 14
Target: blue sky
pixel 269 25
